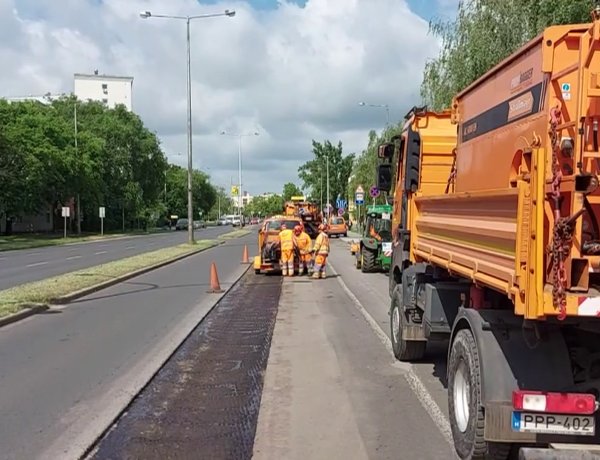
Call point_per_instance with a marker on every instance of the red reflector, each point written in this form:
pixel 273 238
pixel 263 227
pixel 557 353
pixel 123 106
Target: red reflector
pixel 555 403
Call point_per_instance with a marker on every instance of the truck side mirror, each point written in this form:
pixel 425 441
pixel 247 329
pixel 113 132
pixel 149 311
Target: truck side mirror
pixel 386 151
pixel 384 177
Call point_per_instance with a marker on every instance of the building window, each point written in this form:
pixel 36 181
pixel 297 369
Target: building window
pixel 105 88
pixel 105 101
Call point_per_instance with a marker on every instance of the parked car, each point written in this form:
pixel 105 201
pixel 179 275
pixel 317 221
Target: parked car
pixel 182 224
pixel 337 227
pixel 254 221
pixel 199 224
pixel 222 221
pixel 236 221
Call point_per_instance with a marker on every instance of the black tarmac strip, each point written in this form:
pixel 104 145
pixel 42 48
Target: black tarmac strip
pixel 204 402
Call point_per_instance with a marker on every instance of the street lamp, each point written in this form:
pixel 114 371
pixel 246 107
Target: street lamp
pixel 188 19
pixel 239 136
pixel 383 106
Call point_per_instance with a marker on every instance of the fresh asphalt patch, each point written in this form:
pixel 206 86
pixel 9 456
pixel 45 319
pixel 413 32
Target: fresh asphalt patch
pixel 205 400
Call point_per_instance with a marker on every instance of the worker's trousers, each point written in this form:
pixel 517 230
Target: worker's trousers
pixel 319 268
pixel 287 262
pixel 306 264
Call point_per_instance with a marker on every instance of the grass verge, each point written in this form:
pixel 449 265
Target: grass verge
pixel 46 291
pixel 235 234
pixel 15 242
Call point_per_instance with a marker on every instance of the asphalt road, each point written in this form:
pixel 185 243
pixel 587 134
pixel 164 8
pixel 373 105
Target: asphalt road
pixel 23 266
pixel 371 290
pixel 333 391
pixel 65 374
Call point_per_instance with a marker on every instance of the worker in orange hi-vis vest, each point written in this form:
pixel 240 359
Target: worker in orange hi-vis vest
pixel 321 250
pixel 286 241
pixel 304 243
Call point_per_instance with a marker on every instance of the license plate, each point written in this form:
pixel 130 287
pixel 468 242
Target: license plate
pixel 581 425
pixel 386 246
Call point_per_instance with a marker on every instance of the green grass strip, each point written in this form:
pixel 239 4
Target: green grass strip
pixel 17 298
pixel 14 242
pixel 235 234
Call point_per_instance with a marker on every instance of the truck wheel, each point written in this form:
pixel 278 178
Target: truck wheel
pixel 467 418
pixel 404 350
pixel 257 271
pixel 368 260
pixel 357 259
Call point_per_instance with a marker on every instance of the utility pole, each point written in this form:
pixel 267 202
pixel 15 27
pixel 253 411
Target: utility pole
pixel 328 207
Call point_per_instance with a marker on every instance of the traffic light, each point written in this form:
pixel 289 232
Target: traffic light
pixel 386 151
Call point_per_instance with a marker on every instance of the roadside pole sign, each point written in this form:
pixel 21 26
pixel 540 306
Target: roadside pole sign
pixel 341 203
pixel 340 212
pixel 359 195
pixel 102 215
pixel 66 212
pixel 374 192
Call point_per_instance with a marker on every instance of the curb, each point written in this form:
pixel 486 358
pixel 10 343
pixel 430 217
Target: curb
pixel 29 311
pixel 25 313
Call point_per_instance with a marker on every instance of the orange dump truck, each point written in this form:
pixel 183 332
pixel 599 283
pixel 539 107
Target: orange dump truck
pixel 497 247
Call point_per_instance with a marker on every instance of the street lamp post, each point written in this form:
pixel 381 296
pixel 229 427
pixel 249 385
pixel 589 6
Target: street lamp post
pixel 382 106
pixel 328 204
pixel 188 19
pixel 239 136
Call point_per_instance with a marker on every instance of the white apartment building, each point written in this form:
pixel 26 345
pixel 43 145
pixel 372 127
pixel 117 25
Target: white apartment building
pixel 109 89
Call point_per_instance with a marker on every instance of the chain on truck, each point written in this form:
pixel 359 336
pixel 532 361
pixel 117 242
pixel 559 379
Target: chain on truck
pixel 497 248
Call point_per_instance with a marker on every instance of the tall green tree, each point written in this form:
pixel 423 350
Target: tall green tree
pixel 223 204
pixel 289 190
pixel 485 32
pixel 313 173
pixel 265 206
pixel 204 194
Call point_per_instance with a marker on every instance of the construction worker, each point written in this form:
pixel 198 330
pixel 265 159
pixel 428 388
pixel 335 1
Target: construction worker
pixel 304 243
pixel 373 233
pixel 287 243
pixel 321 251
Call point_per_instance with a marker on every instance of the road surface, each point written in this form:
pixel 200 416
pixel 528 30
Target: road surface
pixel 64 374
pixel 26 265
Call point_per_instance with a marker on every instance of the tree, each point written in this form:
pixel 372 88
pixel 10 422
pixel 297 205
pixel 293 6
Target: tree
pixel 223 204
pixel 265 206
pixel 313 173
pixel 485 32
pixel 204 194
pixel 289 190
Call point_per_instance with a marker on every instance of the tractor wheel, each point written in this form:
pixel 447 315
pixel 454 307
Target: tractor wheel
pixel 369 262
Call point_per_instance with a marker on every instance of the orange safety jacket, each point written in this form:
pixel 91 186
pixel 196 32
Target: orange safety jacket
pixel 322 244
pixel 286 238
pixel 374 234
pixel 304 243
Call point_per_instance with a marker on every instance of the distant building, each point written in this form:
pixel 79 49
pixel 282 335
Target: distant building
pixel 246 199
pixel 108 89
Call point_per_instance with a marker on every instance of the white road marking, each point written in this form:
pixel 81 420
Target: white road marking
pixel 73 257
pixel 99 253
pixel 37 264
pixel 129 247
pixel 412 378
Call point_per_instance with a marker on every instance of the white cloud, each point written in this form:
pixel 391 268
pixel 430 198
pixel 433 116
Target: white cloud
pixel 292 73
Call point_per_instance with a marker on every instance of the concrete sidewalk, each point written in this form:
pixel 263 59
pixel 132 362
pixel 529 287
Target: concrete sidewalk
pixel 331 390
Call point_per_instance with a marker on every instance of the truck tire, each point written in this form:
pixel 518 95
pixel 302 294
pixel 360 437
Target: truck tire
pixel 465 410
pixel 357 260
pixel 257 271
pixel 368 260
pixel 404 350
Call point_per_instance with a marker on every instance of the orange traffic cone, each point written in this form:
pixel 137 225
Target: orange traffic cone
pixel 215 287
pixel 245 256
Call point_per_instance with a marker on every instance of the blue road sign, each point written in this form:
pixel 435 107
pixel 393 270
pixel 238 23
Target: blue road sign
pixel 341 203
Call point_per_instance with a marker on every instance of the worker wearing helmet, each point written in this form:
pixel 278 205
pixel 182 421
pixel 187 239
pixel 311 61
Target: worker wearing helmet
pixel 304 243
pixel 321 250
pixel 286 242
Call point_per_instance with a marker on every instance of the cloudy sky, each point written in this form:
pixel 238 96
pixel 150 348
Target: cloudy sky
pixel 293 70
